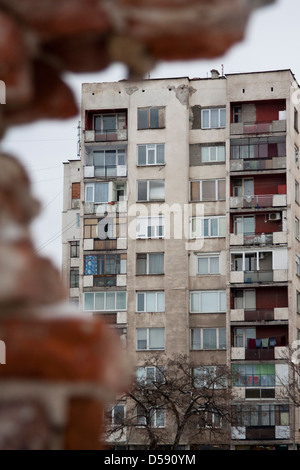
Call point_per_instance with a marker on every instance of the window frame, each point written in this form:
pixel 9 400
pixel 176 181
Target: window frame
pixel 148 347
pixel 148 148
pixel 220 125
pixel 209 257
pixel 201 182
pixel 148 109
pixel 105 299
pixel 219 332
pixel 159 225
pixel 145 293
pixel 147 258
pixel 74 249
pixel 148 190
pixel 91 186
pixel 219 293
pixel 209 226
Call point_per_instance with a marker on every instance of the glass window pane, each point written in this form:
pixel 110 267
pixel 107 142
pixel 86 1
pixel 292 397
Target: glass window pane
pixel 143 118
pixel 141 263
pixel 150 302
pixel 99 301
pixel 157 190
pixel 194 302
pixel 221 189
pixel 88 301
pixel 160 153
pixel 140 302
pixel 89 194
pixel 221 153
pixel 222 226
pixel 121 301
pixel 154 118
pixel 222 117
pixel 222 301
pixel 151 156
pixel 142 190
pixel 141 334
pixel 249 225
pixel 205 154
pixel 209 302
pixel 222 338
pixel 203 266
pixel 214 118
pixel 213 154
pixel 109 122
pixel 141 154
pixel 214 265
pixel 205 119
pixel 214 227
pixel 156 338
pixel 156 263
pixel 160 301
pixel 196 338
pixel 110 301
pixel 209 338
pixel 209 190
pixel 101 192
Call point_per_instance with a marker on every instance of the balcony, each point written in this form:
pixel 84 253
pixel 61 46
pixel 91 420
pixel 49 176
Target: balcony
pixel 258 201
pixel 260 432
pixel 105 136
pixel 276 163
pixel 106 172
pixel 265 127
pixel 260 239
pixel 259 314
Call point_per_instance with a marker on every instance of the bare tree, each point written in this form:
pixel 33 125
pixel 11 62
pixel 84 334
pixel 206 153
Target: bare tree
pixel 177 402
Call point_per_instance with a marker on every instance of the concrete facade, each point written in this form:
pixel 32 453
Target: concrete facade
pixel 213 155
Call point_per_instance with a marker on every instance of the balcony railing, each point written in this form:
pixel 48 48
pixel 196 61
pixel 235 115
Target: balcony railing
pixel 263 127
pixel 259 164
pixel 264 314
pixel 258 239
pixel 105 136
pixel 258 201
pixel 258 276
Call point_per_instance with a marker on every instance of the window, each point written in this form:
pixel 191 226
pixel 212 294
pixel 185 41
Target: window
pixel 149 263
pixel 151 154
pixel 262 415
pixel 109 123
pixel 209 264
pixel 253 375
pixel 156 416
pixel 77 220
pixel 296 123
pixel 74 249
pixel 245 299
pixel 297 228
pixel 151 118
pixel 96 192
pixel 237 114
pixel 209 377
pixel 151 190
pixel 208 301
pixel 296 192
pixel 149 375
pixel 104 268
pixel 150 302
pixel 150 227
pixel 298 301
pixel 296 156
pixel 150 339
pixel 74 277
pixel 298 265
pixel 207 190
pixel 212 153
pixel 244 225
pixel 105 301
pixel 117 414
pixel 75 191
pixel 242 335
pixel 209 419
pixel 207 227
pixel 213 118
pixel 106 162
pixel 208 338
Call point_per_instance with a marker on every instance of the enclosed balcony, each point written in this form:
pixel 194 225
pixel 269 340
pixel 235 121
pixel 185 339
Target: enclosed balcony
pixel 258 192
pixel 105 126
pixel 260 304
pixel 258 267
pixel 258 117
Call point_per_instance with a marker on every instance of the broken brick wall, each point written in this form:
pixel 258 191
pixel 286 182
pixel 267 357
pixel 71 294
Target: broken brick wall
pixel 60 369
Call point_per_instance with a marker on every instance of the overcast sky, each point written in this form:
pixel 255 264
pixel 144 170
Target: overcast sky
pixel 271 43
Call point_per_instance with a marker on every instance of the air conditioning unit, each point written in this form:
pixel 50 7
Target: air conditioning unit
pixel 274 216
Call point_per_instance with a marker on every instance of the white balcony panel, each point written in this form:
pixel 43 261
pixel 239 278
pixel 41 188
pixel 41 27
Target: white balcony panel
pixel 121 280
pixel 237 277
pixel 88 281
pixel 89 171
pixel 281 353
pixel 237 354
pixel 279 200
pixel 281 313
pixel 237 314
pixel 236 239
pixel 122 318
pixel 282 432
pixel 238 433
pixel 88 244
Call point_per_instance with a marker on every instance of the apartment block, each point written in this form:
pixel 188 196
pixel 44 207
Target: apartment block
pixel 181 229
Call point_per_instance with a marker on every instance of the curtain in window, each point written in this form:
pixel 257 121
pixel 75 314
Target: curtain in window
pixel 157 190
pixel 156 263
